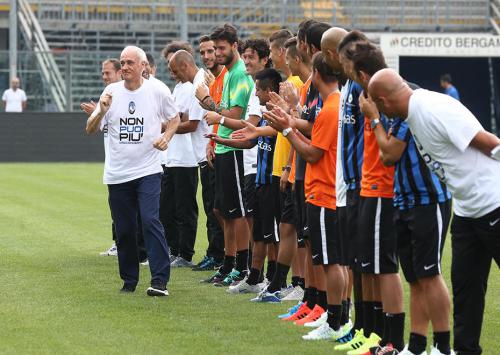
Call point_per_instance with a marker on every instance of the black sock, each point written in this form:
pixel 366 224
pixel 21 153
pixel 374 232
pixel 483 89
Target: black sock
pixel 312 298
pixel 417 343
pixel 250 256
pixel 357 288
pixel 334 313
pixel 261 278
pixel 295 281
pixel 344 318
pixel 386 334
pixel 368 318
pixel 279 277
pixel 348 305
pixel 271 269
pixel 253 277
pixel 396 330
pixel 322 302
pixel 302 283
pixel 379 318
pixel 242 260
pixel 358 316
pixel 228 264
pixel 306 294
pixel 442 342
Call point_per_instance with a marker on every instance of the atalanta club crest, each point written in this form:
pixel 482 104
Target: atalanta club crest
pixel 131 107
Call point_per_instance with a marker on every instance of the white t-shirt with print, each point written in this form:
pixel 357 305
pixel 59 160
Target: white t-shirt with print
pixel 443 129
pixel 340 185
pixel 134 122
pixel 196 112
pixel 14 100
pixel 250 155
pixel 180 150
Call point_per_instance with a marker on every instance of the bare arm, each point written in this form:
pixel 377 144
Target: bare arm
pixel 391 149
pixel 25 104
pixel 4 104
pixel 309 153
pixel 187 127
pixel 235 143
pixel 280 120
pixel 94 120
pixel 232 118
pixel 485 142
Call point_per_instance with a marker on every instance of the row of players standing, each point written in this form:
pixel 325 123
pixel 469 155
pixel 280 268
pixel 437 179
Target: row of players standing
pixel 370 180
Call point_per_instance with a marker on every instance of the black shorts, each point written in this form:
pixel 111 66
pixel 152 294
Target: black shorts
pixel 249 196
pixel 229 184
pixel 421 233
pixel 287 206
pixel 267 215
pixel 351 247
pixel 343 236
pixel 323 235
pixel 300 211
pixel 378 246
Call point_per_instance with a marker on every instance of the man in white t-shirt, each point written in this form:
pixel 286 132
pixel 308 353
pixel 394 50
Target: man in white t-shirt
pixel 14 99
pixel 458 150
pixel 179 207
pixel 136 112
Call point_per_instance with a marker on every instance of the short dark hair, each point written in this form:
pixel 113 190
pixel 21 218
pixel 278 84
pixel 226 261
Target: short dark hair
pixel 269 78
pixel 366 57
pixel 325 71
pixel 303 26
pixel 227 32
pixel 279 37
pixel 175 46
pixel 151 60
pixel 291 45
pixel 446 78
pixel 351 37
pixel 204 38
pixel 116 63
pixel 261 46
pixel 314 34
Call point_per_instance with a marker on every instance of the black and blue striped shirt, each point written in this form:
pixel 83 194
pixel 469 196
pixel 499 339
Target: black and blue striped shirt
pixel 265 155
pixel 414 183
pixel 352 135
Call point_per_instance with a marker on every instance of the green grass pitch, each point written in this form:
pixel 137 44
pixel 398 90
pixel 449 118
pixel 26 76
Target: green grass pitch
pixel 57 295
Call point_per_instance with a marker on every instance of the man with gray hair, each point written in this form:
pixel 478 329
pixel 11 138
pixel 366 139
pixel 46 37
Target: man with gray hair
pixel 136 111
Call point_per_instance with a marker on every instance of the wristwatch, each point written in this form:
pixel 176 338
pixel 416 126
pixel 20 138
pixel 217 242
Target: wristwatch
pixel 286 131
pixel 222 119
pixel 286 168
pixel 374 123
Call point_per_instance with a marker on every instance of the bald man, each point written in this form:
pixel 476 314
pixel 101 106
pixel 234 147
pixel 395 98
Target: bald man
pixel 14 99
pixel 349 162
pixel 183 66
pixel 458 150
pixel 136 111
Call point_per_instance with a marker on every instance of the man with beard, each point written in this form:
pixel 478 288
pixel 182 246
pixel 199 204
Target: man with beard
pixel 238 86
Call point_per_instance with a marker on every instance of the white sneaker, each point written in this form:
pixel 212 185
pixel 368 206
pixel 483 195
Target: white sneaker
pixel 319 322
pixel 244 287
pixel 113 251
pixel 405 351
pixel 287 290
pixel 435 351
pixel 296 295
pixel 324 332
pixel 145 263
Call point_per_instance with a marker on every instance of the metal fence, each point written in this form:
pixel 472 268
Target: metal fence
pixel 81 71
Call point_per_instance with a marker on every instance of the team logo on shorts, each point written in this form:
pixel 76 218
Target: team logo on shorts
pixel 131 107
